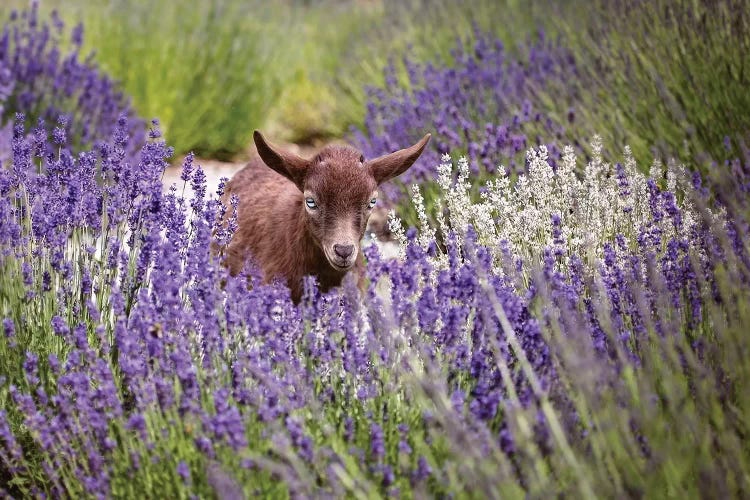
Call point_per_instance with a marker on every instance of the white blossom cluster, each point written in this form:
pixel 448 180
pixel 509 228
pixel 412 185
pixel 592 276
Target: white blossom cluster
pixel 594 204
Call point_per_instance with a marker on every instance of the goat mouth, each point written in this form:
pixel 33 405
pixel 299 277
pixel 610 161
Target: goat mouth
pixel 338 263
pixel 340 267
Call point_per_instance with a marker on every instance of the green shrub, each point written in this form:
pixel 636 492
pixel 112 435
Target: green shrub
pixel 666 69
pixel 327 95
pixel 208 70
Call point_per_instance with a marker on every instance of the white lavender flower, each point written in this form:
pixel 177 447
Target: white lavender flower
pixel 604 202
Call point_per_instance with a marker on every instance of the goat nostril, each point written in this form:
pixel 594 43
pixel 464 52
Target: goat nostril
pixel 343 251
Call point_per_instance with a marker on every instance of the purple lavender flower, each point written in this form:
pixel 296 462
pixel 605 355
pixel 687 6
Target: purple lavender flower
pixel 153 325
pixel 224 485
pixel 9 328
pixel 480 105
pixel 137 423
pixel 31 369
pixel 377 442
pixel 423 470
pixel 227 424
pixel 302 443
pixel 69 90
pixel 348 429
pixel 183 471
pixel 187 167
pixel 11 453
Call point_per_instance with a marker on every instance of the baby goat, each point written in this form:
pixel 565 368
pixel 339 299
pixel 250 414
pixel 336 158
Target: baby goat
pixel 300 217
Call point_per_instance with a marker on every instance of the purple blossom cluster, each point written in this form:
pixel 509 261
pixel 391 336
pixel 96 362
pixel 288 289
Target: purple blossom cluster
pixel 480 106
pixel 147 322
pixel 128 353
pixel 65 92
pixel 151 342
pixel 734 177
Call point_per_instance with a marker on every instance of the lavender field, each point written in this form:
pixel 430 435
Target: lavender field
pixel 566 314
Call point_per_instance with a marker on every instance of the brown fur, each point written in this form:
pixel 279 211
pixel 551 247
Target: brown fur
pixel 289 240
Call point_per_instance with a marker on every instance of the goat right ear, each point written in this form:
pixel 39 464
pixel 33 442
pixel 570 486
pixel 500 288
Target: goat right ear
pixel 389 166
pixel 282 162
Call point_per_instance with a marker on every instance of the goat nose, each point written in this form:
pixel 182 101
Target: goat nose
pixel 343 251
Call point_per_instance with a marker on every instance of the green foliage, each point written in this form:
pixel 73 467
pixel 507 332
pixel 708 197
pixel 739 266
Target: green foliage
pixel 214 55
pixel 670 75
pixel 210 71
pixel 425 30
pixel 326 96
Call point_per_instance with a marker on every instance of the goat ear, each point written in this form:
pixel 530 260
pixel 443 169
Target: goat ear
pixel 282 162
pixel 391 165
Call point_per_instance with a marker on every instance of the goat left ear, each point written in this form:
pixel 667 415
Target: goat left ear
pixel 283 162
pixel 391 165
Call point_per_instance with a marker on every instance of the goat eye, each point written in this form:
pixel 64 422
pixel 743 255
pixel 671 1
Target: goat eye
pixel 311 203
pixel 373 202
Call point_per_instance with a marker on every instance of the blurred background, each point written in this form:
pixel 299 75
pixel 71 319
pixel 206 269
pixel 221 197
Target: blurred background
pixel 628 297
pixel 488 78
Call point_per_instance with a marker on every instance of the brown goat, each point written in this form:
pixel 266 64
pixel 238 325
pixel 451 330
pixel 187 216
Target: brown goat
pixel 307 217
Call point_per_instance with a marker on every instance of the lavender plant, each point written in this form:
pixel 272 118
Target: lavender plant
pixel 599 353
pixel 555 207
pixel 134 365
pixel 483 106
pixel 45 75
pixel 673 70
